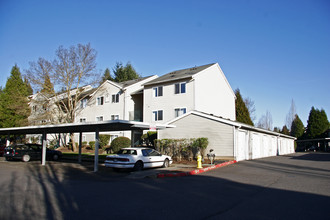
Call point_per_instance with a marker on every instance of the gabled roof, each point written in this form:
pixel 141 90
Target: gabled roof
pixel 179 74
pixel 131 82
pixel 122 85
pixel 229 122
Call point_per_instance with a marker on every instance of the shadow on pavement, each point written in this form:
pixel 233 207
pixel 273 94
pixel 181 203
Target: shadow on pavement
pixel 73 191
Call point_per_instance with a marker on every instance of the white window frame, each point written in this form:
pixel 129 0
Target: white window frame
pixel 101 98
pixel 155 115
pixel 179 111
pixel 156 91
pixel 81 120
pixel 113 117
pixel 115 98
pixel 99 117
pixel 180 88
pixel 83 103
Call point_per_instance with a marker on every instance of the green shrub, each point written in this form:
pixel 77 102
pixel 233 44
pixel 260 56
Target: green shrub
pixel 92 144
pixel 84 143
pixel 104 140
pixel 120 142
pixel 149 138
pixel 182 148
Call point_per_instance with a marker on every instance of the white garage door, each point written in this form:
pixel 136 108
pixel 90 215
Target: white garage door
pixel 242 152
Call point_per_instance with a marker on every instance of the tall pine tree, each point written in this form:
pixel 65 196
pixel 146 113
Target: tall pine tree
pixel 297 127
pixel 124 73
pixel 317 123
pixel 106 76
pixel 242 112
pixel 47 86
pixel 14 108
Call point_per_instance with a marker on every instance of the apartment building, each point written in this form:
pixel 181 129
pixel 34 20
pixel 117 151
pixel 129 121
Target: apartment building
pixel 203 88
pixel 114 101
pixel 157 100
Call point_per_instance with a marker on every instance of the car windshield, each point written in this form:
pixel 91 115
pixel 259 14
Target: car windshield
pixel 127 151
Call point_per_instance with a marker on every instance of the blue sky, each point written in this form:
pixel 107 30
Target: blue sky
pixel 273 51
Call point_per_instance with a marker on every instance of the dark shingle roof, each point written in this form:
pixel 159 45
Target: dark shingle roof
pixel 179 74
pixel 131 82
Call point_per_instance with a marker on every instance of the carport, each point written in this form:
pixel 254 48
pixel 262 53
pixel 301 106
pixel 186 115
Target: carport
pixel 97 127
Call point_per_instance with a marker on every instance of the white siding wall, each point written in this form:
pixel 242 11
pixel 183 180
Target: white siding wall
pixel 220 136
pixel 213 93
pixel 93 110
pixel 168 102
pixel 129 103
pixel 228 140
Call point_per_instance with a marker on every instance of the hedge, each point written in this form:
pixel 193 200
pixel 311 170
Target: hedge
pixel 120 142
pixel 182 148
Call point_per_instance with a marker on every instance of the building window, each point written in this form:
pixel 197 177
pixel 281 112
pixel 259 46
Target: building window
pixel 83 103
pixel 100 100
pixel 158 91
pixel 82 119
pixel 114 117
pixel 34 108
pixel 157 115
pixel 107 98
pixel 115 98
pixel 99 118
pixel 179 111
pixel 179 88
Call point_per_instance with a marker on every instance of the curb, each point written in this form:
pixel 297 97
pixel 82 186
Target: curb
pixel 197 171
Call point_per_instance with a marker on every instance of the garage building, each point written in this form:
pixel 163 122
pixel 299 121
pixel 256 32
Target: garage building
pixel 229 139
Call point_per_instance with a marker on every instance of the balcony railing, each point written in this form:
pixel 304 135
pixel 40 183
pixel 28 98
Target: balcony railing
pixel 136 115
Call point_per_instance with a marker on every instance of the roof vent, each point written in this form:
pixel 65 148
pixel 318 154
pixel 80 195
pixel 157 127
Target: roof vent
pixel 173 72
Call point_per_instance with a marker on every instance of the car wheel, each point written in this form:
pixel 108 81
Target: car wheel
pixel 26 158
pixel 55 157
pixel 138 166
pixel 166 163
pixel 7 159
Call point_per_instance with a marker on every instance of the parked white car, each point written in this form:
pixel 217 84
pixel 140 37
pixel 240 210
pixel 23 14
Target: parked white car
pixel 138 158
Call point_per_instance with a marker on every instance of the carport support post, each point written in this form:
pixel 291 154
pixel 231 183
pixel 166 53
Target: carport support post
pixel 80 142
pixel 96 157
pixel 44 140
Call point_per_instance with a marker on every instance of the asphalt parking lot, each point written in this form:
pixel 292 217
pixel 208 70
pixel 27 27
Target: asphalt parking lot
pixel 286 187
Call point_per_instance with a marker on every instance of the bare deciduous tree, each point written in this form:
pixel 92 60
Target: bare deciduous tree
pixel 251 108
pixel 71 71
pixel 291 115
pixel 266 121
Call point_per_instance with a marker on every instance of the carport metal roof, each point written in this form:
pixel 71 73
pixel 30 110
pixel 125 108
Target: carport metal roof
pixel 111 125
pixel 100 126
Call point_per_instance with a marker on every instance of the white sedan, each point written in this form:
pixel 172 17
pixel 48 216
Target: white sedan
pixel 137 158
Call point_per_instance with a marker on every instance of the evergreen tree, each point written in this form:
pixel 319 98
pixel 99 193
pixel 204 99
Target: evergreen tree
pixel 28 86
pixel 124 73
pixel 47 86
pixel 317 123
pixel 106 76
pixel 14 108
pixel 285 130
pixel 297 127
pixel 242 112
